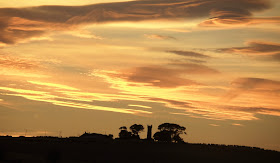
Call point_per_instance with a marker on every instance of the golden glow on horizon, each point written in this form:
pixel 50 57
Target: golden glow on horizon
pixel 28 133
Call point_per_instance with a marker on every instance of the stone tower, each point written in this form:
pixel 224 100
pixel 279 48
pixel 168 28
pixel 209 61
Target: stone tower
pixel 149 132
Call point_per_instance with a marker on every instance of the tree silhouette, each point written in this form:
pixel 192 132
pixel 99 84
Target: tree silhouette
pixel 124 134
pixel 123 128
pixel 136 129
pixel 163 136
pixel 170 132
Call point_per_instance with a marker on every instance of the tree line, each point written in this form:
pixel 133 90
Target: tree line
pixel 167 132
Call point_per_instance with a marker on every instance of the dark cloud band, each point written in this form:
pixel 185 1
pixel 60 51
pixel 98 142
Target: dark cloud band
pixel 265 50
pixel 22 23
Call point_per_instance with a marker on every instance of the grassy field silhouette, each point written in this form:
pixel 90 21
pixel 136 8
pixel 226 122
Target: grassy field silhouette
pixel 82 150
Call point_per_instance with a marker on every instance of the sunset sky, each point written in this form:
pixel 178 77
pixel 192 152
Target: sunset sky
pixel 213 66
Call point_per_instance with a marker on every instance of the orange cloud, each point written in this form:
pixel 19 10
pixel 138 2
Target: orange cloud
pixel 163 76
pixel 228 16
pixel 256 84
pixel 237 124
pixel 155 76
pixel 16 63
pixel 159 37
pixel 215 125
pixel 261 92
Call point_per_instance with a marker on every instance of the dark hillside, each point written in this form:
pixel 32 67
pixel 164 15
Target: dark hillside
pixel 65 150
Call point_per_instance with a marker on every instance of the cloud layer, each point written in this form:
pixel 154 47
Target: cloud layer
pixel 159 37
pixel 17 24
pixel 255 86
pixel 267 50
pixel 256 47
pixel 16 63
pixel 188 54
pixel 164 76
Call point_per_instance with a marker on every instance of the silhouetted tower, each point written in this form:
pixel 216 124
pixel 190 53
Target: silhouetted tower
pixel 149 133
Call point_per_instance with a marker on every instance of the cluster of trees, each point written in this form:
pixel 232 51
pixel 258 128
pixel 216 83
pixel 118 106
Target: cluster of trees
pixel 168 132
pixel 133 133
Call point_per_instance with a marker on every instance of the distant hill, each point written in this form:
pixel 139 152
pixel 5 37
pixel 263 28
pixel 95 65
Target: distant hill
pixel 67 150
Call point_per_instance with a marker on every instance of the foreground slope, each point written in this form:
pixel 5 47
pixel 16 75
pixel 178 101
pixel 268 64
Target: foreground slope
pixel 65 150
